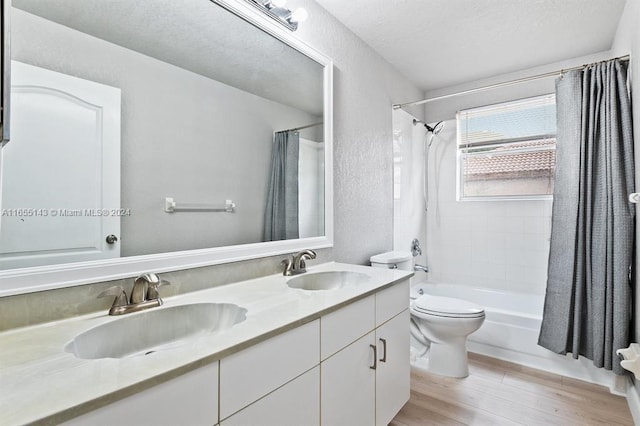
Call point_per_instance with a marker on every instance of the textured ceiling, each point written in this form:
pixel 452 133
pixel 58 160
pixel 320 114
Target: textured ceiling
pixel 441 43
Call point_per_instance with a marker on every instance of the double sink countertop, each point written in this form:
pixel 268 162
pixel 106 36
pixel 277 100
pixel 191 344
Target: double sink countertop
pixel 40 382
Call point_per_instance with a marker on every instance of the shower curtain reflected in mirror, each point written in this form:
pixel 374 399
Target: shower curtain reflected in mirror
pixel 588 301
pixel 281 214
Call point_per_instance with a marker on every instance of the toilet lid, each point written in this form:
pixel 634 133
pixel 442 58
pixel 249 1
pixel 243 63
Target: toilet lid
pixel 447 306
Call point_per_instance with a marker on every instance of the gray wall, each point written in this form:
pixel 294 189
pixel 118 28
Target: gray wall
pixel 365 88
pixel 183 136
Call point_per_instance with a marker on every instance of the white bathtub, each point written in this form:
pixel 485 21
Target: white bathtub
pixel 510 332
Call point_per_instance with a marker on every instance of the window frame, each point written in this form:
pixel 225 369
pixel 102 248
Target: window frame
pixel 460 155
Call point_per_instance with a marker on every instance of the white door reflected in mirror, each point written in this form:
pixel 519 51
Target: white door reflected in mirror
pixel 61 171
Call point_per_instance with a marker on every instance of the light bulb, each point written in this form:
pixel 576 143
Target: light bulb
pixel 300 15
pixel 278 3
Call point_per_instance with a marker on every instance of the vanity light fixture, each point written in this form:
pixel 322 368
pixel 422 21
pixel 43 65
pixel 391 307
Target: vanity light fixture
pixel 276 10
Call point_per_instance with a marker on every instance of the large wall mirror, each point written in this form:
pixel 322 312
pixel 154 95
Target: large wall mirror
pixel 158 135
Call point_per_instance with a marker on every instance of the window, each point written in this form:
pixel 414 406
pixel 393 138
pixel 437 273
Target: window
pixel 507 150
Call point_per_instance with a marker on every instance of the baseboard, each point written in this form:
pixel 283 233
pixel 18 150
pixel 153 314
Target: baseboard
pixel 565 366
pixel 633 399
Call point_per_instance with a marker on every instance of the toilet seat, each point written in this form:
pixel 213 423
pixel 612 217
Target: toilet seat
pixel 447 307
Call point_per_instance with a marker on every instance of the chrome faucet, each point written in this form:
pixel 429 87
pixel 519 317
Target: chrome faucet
pixel 144 295
pixel 422 268
pixel 296 265
pixel 141 287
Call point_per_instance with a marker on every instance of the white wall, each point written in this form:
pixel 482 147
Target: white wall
pixel 183 136
pixel 628 42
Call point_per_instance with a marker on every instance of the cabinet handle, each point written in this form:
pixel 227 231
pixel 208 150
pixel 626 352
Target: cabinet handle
pixel 375 357
pixel 384 350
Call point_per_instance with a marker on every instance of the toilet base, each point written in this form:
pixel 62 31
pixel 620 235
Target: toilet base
pixel 449 360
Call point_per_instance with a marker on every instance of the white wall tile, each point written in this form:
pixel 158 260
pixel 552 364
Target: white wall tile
pixel 502 245
pixel 526 279
pixel 513 225
pixel 527 241
pixel 525 208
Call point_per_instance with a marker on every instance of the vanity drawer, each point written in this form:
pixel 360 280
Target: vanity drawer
pixel 191 398
pixel 254 372
pixel 391 301
pixel 346 325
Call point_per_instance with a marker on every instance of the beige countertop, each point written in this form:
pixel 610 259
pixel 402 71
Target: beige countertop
pixel 40 382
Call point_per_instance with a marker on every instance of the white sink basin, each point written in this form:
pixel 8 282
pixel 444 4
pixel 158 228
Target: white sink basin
pixel 330 280
pixel 153 330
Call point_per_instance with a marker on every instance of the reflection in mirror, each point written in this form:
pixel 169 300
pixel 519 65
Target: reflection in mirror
pixel 119 105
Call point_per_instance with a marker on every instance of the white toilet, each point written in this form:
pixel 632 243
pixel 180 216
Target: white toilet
pixel 439 325
pixel 446 322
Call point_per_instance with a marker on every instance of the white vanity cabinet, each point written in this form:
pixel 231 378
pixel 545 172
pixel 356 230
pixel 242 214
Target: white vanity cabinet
pixel 271 366
pixel 349 367
pixel 365 372
pixel 190 399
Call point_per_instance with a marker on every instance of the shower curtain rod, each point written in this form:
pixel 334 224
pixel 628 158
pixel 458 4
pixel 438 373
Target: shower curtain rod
pixel 497 85
pixel 295 129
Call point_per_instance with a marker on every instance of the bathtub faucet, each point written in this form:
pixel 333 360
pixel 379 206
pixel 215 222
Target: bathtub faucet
pixel 422 268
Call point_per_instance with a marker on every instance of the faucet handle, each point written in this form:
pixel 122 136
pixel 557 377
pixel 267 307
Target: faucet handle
pixel 309 254
pixel 302 256
pixel 152 290
pixel 303 265
pixel 141 287
pixel 150 278
pixel 118 292
pixel 288 265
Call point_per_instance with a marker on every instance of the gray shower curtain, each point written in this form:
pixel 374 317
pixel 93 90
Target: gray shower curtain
pixel 587 307
pixel 281 213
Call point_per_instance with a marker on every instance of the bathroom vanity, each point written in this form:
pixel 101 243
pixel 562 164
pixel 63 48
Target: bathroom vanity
pixel 299 356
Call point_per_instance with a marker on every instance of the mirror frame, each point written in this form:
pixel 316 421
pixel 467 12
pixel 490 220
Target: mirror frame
pixel 29 280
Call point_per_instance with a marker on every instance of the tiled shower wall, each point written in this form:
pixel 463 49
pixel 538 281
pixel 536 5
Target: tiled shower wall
pixel 501 245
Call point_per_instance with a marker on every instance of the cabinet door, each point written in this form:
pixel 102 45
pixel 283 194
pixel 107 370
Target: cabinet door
pixel 295 404
pixel 348 385
pixel 250 374
pixel 393 373
pixel 189 399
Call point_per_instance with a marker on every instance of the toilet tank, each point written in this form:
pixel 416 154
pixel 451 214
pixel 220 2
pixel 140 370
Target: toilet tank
pixel 402 260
